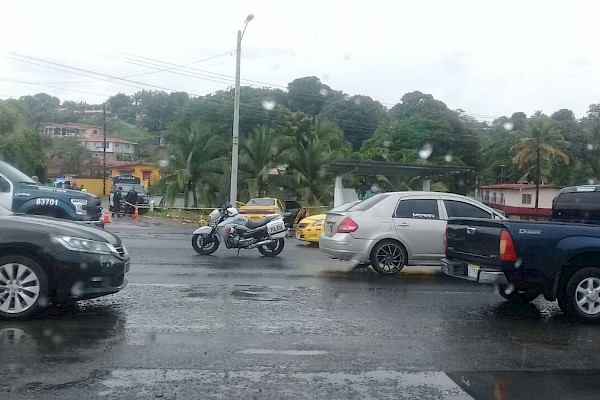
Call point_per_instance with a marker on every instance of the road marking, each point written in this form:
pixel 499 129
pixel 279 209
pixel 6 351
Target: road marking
pixel 285 352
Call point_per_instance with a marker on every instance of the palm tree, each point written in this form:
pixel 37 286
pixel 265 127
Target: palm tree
pixel 195 162
pixel 261 151
pixel 542 141
pixel 308 161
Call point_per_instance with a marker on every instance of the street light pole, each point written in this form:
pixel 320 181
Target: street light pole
pixel 502 173
pixel 236 117
pixel 104 149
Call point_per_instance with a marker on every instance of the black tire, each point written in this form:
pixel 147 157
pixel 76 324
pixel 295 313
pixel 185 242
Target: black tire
pixel 272 249
pixel 20 278
pixel 388 257
pixel 202 248
pixel 519 296
pixel 582 295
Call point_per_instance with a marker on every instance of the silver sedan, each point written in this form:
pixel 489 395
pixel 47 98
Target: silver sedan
pixel 391 230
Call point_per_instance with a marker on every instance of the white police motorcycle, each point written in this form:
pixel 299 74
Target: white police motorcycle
pixel 237 232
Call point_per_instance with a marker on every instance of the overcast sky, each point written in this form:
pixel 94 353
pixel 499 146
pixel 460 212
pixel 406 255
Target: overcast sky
pixel 489 58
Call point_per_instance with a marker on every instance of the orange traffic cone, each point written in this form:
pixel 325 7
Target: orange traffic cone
pixel 136 214
pixel 106 218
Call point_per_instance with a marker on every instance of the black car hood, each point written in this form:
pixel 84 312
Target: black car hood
pixel 59 227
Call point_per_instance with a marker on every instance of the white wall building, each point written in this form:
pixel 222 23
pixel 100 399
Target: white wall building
pixel 517 200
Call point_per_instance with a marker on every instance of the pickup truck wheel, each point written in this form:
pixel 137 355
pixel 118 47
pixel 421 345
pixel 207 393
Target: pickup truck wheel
pixel 519 296
pixel 23 287
pixel 388 257
pixel 582 294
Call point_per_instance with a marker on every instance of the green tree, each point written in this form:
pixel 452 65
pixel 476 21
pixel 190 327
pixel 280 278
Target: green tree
pixel 71 155
pixel 121 106
pixel 358 116
pixel 39 108
pixel 542 140
pixel 195 162
pixel 308 95
pixel 260 151
pixel 24 151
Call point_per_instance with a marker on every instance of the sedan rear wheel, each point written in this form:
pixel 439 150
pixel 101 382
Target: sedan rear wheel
pixel 388 257
pixel 23 287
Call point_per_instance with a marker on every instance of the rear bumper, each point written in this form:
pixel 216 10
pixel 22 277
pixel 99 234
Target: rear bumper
pixel 343 246
pixel 487 276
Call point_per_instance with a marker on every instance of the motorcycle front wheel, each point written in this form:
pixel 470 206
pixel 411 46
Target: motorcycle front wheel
pixel 204 245
pixel 272 249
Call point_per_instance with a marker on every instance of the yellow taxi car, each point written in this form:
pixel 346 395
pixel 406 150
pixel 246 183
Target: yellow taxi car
pixel 261 207
pixel 310 228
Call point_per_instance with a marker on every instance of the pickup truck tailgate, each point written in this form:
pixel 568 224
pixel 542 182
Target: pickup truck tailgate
pixel 473 250
pixel 475 241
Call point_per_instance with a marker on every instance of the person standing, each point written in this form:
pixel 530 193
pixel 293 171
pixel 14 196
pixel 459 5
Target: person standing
pixel 131 199
pixel 117 197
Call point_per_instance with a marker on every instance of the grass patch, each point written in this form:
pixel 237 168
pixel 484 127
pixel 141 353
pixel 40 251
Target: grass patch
pixel 187 216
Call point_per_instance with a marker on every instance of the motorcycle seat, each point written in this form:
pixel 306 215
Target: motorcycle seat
pixel 261 222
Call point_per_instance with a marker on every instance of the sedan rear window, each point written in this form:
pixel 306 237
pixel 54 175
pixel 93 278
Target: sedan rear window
pixel 368 203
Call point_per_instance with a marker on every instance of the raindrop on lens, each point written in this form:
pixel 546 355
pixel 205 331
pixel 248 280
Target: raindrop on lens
pixel 426 151
pixel 346 97
pixel 77 289
pixel 163 163
pixel 323 92
pixel 518 263
pixel 508 126
pixel 448 157
pixel 590 146
pixel 357 101
pixel 268 103
pixel 590 181
pixel 387 143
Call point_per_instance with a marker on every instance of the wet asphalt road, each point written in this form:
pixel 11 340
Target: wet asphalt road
pixel 296 326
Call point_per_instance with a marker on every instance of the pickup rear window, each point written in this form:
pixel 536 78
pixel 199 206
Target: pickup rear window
pixel 577 207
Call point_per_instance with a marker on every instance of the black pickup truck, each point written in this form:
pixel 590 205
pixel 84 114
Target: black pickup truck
pixel 560 260
pixel 526 259
pixel 21 194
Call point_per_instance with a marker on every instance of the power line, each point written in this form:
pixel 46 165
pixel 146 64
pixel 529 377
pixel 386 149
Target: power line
pixel 109 78
pixel 53 87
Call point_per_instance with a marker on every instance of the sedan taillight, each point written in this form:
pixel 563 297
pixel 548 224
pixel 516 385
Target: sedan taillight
pixel 347 226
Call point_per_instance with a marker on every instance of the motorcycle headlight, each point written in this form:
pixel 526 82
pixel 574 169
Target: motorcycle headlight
pixel 85 245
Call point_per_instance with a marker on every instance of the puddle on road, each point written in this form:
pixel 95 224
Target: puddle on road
pixel 238 292
pixel 351 384
pixel 284 352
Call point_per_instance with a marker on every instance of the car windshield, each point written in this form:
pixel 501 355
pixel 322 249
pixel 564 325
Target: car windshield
pixel 128 186
pixel 5 211
pixel 14 175
pixel 261 202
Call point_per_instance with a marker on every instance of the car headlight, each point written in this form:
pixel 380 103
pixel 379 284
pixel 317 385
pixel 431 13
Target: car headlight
pixel 319 223
pixel 79 203
pixel 85 245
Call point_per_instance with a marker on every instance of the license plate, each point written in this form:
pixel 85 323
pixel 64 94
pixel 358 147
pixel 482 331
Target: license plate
pixel 329 229
pixel 276 227
pixel 473 271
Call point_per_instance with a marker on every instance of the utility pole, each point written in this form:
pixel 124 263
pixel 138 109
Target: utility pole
pixel 236 118
pixel 104 149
